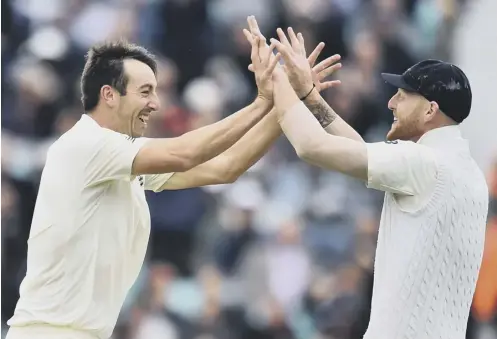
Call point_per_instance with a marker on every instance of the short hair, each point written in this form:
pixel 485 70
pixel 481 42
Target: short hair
pixel 105 66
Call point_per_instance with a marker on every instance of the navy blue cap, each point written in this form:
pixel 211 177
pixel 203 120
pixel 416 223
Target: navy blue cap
pixel 438 81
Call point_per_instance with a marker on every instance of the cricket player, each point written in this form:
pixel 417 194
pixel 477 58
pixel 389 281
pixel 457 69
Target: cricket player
pixel 91 223
pixel 432 226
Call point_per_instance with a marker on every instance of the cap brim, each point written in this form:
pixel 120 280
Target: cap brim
pixel 396 81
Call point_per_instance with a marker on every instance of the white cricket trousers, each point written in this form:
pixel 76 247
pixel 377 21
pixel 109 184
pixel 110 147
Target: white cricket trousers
pixel 46 332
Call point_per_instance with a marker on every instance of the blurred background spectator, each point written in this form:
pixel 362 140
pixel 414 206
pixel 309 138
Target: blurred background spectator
pixel 287 251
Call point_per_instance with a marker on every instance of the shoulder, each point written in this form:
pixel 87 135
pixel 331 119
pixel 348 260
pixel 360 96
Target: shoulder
pixel 400 144
pixel 401 167
pixel 402 151
pixel 85 142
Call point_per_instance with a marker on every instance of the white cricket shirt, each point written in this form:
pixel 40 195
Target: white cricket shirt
pixel 431 236
pixel 89 232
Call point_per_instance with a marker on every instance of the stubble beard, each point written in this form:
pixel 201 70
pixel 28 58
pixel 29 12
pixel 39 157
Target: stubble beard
pixel 406 130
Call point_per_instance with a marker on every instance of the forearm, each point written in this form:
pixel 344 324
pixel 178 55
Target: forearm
pixel 199 146
pixel 299 125
pixel 208 142
pixel 328 118
pixel 253 145
pixel 313 144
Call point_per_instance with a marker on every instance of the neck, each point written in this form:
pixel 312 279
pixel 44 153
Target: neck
pixel 433 127
pixel 108 119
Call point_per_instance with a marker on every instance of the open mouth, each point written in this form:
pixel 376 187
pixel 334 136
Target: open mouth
pixel 144 119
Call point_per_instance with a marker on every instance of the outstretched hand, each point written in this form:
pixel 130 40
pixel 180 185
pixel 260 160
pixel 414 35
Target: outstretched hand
pixel 264 54
pixel 264 63
pixel 302 73
pixel 324 69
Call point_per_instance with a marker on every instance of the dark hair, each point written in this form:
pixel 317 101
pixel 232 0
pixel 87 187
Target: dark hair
pixel 104 66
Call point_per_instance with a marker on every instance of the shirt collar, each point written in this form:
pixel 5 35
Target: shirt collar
pixel 441 135
pixel 86 119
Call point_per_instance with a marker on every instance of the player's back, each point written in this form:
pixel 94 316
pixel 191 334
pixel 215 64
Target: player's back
pixel 427 261
pixel 84 249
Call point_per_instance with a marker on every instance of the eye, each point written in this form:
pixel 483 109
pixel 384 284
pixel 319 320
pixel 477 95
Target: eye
pixel 145 93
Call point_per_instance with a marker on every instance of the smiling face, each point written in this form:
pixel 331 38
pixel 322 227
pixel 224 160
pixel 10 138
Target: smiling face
pixel 141 98
pixel 409 111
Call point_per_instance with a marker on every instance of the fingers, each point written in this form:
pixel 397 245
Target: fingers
pixel 315 54
pixel 254 29
pixel 254 55
pixel 293 38
pixel 329 71
pixel 273 64
pixel 270 52
pixel 283 38
pixel 253 26
pixel 262 43
pixel 284 50
pixel 296 45
pixel 248 35
pixel 302 43
pixel 326 63
pixel 269 62
pixel 329 84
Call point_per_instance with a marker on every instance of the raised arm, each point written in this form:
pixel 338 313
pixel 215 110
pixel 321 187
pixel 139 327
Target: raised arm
pixel 304 132
pixel 182 153
pixel 404 168
pixel 328 118
pixel 229 165
pixel 311 142
pixel 306 80
pixel 193 148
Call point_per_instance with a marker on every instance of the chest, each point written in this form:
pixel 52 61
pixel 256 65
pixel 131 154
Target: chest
pixel 129 213
pixel 138 203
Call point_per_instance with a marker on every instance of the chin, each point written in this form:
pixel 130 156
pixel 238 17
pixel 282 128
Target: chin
pixel 394 134
pixel 403 135
pixel 138 133
pixel 391 135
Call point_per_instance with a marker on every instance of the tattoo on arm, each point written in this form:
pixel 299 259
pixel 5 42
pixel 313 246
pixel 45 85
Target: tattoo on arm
pixel 321 111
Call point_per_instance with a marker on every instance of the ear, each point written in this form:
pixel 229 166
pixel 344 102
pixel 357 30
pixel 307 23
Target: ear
pixel 432 110
pixel 109 96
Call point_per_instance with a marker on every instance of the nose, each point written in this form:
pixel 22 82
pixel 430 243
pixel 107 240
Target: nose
pixel 392 103
pixel 154 103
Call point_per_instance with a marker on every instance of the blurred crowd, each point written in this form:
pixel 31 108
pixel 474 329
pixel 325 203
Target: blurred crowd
pixel 285 252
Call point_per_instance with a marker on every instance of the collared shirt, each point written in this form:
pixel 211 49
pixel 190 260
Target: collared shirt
pixel 89 232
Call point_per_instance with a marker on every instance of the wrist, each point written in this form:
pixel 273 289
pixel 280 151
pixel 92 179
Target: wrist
pixel 305 96
pixel 263 103
pixel 288 110
pixel 304 90
pixel 313 96
pixel 285 102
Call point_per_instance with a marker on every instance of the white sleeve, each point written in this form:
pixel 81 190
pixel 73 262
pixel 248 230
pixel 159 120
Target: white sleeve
pixel 401 167
pixel 153 182
pixel 111 158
